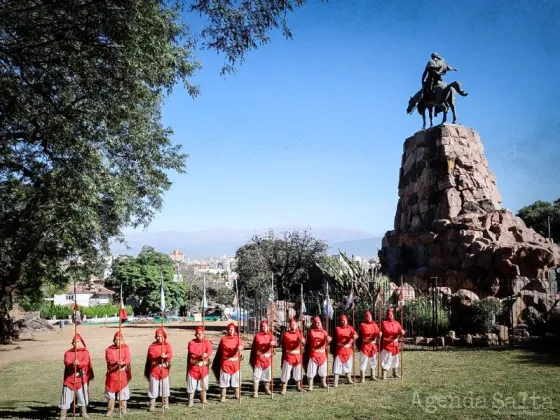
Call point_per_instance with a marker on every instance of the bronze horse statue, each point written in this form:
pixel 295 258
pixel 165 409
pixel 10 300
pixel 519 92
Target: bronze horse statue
pixel 442 99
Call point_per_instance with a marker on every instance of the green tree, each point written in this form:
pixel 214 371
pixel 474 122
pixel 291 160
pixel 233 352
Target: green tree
pixel 141 277
pixel 83 152
pixel 537 215
pixel 288 256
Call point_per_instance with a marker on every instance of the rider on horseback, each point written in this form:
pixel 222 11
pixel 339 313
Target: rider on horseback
pixel 435 68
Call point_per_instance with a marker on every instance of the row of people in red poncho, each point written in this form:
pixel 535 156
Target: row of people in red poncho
pixel 297 352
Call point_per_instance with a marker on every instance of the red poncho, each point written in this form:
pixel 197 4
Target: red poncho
pixel 261 350
pixel 83 373
pixel 196 368
pixel 112 356
pixel 292 347
pixel 369 331
pixel 155 365
pixel 230 354
pixel 344 340
pixel 390 331
pixel 317 340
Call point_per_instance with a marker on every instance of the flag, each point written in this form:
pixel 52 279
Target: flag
pixel 303 308
pixel 162 302
pixel 204 303
pixel 77 315
pixel 122 312
pixel 327 305
pixel 350 301
pixel 327 308
pixel 401 300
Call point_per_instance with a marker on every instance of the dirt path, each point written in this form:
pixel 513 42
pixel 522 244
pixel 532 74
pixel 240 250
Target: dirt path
pixel 52 345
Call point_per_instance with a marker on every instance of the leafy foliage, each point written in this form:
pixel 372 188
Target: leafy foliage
pixel 347 274
pixel 288 257
pixel 420 313
pixel 49 311
pixel 141 278
pixel 83 152
pixel 536 216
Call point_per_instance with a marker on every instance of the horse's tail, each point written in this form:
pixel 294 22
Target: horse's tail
pixel 457 86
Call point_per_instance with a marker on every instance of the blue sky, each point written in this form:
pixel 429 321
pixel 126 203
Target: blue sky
pixel 310 131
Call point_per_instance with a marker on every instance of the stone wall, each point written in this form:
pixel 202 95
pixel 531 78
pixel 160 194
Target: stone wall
pixel 450 224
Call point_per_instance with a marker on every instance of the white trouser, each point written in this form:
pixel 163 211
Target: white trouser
pixel 154 390
pixel 288 369
pixel 261 374
pixel 368 362
pixel 196 384
pixel 125 394
pixel 388 361
pixel 227 380
pixel 340 367
pixel 313 369
pixel 67 397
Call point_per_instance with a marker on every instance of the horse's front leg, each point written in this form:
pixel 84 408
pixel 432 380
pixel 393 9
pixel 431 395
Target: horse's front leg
pixel 424 120
pixel 444 120
pixel 430 113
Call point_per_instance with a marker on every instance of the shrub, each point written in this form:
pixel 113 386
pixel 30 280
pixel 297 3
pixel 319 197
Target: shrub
pixel 484 314
pixel 419 314
pixel 63 312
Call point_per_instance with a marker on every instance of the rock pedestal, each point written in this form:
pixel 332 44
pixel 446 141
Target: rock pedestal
pixel 450 224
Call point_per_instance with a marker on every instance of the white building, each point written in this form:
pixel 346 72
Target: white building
pixel 87 294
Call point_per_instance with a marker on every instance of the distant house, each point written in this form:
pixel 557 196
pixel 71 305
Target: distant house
pixel 87 294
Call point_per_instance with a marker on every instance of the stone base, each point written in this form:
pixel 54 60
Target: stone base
pixel 449 222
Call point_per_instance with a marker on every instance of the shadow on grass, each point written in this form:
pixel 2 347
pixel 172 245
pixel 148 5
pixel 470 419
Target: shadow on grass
pixel 542 351
pixel 34 412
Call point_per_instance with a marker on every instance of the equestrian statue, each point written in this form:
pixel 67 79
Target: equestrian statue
pixel 435 94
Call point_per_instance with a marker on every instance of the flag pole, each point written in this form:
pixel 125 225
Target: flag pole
pixel 401 301
pixel 162 307
pixel 327 344
pixel 120 356
pixel 300 346
pixel 75 347
pixel 379 304
pixel 203 392
pixel 353 338
pixel 238 340
pixel 271 339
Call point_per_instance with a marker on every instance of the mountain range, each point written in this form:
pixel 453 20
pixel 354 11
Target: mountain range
pixel 216 242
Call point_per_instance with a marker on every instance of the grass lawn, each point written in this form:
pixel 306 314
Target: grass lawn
pixel 444 384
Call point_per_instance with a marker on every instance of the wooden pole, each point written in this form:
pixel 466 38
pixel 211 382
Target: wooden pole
pixel 353 338
pixel 238 341
pixel 120 357
pixel 271 339
pixel 161 351
pixel 327 345
pixel 379 314
pixel 300 345
pixel 203 392
pixel 401 301
pixel 75 348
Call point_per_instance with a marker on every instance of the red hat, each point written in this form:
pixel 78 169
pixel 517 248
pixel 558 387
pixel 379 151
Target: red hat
pixel 230 326
pixel 117 336
pixel 292 319
pixel 79 338
pixel 263 323
pixel 343 318
pixel 316 319
pixel 368 315
pixel 161 331
pixel 199 329
pixel 389 312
